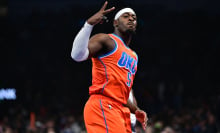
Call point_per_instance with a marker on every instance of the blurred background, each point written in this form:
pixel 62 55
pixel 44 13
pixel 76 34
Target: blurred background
pixel 177 83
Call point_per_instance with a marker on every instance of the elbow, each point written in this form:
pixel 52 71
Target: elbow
pixel 79 57
pixel 76 58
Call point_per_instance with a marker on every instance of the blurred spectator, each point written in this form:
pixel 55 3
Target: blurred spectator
pixel 168 130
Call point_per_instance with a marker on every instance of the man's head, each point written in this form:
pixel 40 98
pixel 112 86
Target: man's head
pixel 125 21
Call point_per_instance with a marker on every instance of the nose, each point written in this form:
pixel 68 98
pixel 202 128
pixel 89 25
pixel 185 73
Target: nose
pixel 131 18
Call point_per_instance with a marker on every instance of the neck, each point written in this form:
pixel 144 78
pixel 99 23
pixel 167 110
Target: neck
pixel 126 37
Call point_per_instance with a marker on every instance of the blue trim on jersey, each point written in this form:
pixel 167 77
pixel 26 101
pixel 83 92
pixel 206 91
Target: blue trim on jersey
pixel 105 74
pixel 111 52
pixel 121 40
pixel 136 55
pixel 104 116
pixel 125 44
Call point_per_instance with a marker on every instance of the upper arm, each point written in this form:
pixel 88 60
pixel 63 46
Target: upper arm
pixel 134 99
pixel 97 44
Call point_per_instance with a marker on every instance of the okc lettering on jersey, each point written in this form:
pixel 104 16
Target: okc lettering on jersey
pixel 128 62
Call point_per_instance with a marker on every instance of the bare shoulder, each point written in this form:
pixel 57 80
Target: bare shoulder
pixel 102 37
pixel 100 44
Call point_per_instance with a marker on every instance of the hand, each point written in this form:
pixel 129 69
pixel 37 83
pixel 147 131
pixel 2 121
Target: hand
pixel 98 17
pixel 141 117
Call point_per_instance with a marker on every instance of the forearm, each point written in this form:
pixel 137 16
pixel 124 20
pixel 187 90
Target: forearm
pixel 80 51
pixel 131 106
pixel 140 114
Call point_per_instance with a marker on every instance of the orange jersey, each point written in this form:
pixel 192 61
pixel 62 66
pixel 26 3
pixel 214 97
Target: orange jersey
pixel 114 72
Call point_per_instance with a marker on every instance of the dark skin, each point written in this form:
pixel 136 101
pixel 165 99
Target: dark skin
pixel 101 43
pixel 140 114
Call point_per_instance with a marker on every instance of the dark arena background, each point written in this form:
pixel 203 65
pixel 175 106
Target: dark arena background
pixel 42 90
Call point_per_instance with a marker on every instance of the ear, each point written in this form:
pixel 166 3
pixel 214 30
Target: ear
pixel 115 23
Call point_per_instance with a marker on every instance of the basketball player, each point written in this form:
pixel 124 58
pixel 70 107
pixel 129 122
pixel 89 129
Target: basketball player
pixel 114 66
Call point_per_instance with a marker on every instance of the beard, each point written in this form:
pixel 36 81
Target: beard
pixel 130 31
pixel 126 30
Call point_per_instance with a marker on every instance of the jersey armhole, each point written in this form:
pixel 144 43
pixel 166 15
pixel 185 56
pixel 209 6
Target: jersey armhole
pixel 112 51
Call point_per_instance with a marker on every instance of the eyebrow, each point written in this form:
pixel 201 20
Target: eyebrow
pixel 127 13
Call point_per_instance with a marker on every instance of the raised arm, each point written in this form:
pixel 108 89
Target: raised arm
pixel 81 49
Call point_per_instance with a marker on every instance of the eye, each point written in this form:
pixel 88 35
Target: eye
pixel 125 16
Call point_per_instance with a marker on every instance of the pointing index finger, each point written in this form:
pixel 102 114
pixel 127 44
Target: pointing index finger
pixel 104 6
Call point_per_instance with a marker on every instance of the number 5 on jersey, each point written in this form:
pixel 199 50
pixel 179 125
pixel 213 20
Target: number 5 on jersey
pixel 129 79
